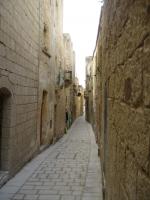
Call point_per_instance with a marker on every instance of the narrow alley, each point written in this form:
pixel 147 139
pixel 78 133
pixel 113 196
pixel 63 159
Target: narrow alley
pixel 67 170
pixel 74 100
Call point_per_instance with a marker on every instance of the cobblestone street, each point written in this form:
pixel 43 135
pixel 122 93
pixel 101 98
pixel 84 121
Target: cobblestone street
pixel 68 170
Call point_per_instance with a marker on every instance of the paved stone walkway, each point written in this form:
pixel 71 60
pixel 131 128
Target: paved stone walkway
pixel 68 170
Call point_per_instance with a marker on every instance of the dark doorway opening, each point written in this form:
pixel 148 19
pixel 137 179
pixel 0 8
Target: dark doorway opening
pixel 5 126
pixel 43 118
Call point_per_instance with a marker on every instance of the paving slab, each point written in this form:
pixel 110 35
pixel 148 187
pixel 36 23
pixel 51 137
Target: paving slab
pixel 67 170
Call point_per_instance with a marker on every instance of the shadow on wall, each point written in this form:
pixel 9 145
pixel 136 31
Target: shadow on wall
pixel 44 111
pixel 5 127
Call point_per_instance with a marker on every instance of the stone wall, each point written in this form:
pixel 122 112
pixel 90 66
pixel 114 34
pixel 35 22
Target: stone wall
pixel 59 114
pixel 89 90
pixel 31 57
pixel 79 104
pixel 46 94
pixel 51 62
pixel 122 58
pixel 19 67
pixel 60 101
pixel 69 69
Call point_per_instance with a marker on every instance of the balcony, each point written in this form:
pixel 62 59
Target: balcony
pixel 68 78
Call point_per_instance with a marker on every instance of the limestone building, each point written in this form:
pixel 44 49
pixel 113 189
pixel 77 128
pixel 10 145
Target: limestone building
pixel 69 76
pixel 32 85
pixel 58 59
pixel 122 98
pixel 89 90
pixel 19 83
pixel 79 99
pixel 47 67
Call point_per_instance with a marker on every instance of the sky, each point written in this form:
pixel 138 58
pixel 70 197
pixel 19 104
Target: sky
pixel 81 19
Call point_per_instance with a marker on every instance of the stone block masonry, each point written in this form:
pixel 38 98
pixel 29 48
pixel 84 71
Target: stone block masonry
pixel 122 98
pixel 32 89
pixel 125 69
pixel 19 52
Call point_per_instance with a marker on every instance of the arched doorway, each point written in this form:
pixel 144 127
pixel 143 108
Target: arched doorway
pixel 43 118
pixel 5 125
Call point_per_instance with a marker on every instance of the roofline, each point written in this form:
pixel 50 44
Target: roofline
pixel 99 30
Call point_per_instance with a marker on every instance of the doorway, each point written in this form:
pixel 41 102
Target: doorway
pixel 5 122
pixel 43 118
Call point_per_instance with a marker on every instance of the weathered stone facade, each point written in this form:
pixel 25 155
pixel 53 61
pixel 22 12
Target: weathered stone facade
pixel 19 71
pixel 69 76
pixel 122 98
pixel 89 90
pixel 46 73
pixel 79 99
pixel 32 88
pixel 58 63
